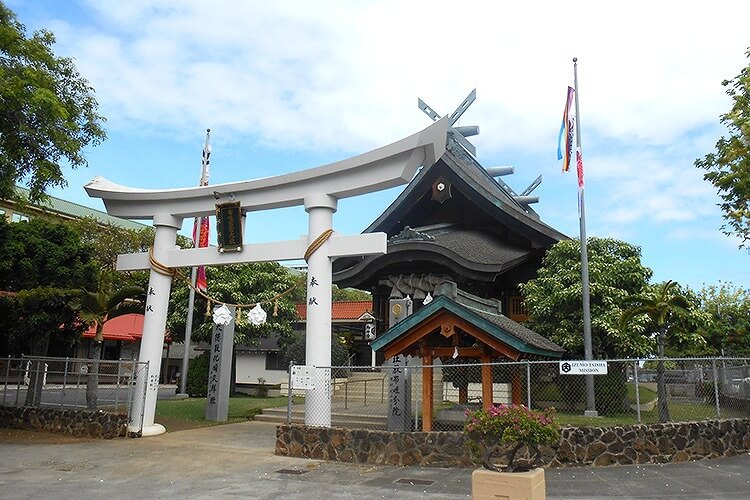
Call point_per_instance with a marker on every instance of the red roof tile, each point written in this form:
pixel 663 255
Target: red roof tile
pixel 344 310
pixel 128 327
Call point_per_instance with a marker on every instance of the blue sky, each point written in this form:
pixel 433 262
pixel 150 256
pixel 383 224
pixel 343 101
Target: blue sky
pixel 286 86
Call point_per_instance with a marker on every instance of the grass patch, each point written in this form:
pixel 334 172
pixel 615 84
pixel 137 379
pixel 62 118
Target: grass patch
pixel 678 412
pixel 645 394
pixel 180 414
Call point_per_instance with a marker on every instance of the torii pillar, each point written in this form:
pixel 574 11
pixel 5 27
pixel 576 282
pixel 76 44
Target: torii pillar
pixel 319 190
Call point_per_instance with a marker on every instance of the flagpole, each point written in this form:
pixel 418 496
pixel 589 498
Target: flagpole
pixel 188 333
pixel 587 347
pixel 193 279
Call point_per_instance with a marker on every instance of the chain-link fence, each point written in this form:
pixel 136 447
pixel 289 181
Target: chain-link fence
pixel 397 397
pixel 73 384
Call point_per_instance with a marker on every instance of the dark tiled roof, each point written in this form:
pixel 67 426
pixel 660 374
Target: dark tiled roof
pixel 489 309
pixel 482 188
pixel 469 244
pixel 519 331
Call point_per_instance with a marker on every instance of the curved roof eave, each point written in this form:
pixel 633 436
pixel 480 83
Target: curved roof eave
pixel 421 248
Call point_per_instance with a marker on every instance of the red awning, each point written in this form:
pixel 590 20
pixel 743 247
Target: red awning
pixel 128 328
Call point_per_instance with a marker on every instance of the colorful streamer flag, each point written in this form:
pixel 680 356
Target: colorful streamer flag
pixel 201 226
pixel 566 133
pixel 579 167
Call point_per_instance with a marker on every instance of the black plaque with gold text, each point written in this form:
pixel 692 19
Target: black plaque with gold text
pixel 229 226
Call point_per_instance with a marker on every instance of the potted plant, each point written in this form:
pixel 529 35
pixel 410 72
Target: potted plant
pixel 504 430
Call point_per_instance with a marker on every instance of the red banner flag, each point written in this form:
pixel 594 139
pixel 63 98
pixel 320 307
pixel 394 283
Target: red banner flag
pixel 200 240
pixel 201 224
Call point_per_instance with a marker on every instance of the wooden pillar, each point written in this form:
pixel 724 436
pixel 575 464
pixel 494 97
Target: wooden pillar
pixel 427 392
pixel 516 386
pixel 486 382
pixel 463 392
pixel 462 383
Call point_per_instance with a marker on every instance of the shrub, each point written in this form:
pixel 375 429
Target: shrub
pixel 197 381
pixel 513 426
pixel 613 386
pixel 262 389
pixel 548 392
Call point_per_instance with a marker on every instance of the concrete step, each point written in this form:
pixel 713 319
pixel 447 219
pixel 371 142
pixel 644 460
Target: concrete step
pixel 359 420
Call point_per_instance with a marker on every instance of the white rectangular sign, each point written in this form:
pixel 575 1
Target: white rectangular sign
pixel 573 367
pixel 303 377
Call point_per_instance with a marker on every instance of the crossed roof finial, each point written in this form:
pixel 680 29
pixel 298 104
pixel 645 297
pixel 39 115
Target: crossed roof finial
pixel 459 134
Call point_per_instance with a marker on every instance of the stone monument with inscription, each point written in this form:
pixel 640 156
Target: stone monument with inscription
pixel 399 396
pixel 220 368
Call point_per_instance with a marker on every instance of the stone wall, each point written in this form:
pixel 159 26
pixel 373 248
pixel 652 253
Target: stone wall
pixel 96 424
pixel 632 444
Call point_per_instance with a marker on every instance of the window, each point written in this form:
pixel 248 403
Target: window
pixel 274 362
pixel 517 309
pixel 16 217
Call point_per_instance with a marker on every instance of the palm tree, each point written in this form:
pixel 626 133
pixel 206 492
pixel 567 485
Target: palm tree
pixel 96 308
pixel 659 303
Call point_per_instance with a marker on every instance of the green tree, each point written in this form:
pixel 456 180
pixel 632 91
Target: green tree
pixel 109 241
pixel 45 261
pixel 238 284
pixel 660 304
pixel 687 331
pixel 95 309
pixel 728 331
pixel 295 350
pixel 347 294
pixel 555 304
pixel 30 320
pixel 728 168
pixel 49 112
pixel 40 253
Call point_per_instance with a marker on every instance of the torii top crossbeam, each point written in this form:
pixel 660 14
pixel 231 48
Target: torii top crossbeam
pixel 379 169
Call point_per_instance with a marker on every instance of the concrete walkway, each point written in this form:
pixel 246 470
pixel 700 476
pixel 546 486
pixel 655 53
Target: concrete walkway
pixel 237 461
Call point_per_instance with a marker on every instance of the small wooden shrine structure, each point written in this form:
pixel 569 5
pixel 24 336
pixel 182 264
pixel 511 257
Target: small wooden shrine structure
pixel 465 328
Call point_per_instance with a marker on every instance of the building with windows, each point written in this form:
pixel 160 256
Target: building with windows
pixel 58 209
pixel 264 360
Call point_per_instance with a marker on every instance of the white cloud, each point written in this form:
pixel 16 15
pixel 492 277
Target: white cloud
pixel 346 76
pixel 332 76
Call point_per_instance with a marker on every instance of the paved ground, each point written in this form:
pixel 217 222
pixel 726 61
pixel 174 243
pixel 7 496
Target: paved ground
pixel 75 395
pixel 237 461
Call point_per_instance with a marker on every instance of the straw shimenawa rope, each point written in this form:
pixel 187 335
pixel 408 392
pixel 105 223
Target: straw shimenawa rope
pixel 175 273
pixel 317 243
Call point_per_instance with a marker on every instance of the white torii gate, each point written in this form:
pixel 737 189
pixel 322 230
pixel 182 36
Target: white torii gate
pixel 318 189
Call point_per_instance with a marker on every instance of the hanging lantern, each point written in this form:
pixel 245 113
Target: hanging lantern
pixel 222 315
pixel 427 299
pixel 257 316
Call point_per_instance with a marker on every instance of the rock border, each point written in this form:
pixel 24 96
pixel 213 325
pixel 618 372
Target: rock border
pixel 578 446
pixel 96 424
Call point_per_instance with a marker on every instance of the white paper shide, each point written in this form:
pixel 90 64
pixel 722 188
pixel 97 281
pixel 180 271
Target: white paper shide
pixel 257 316
pixel 222 315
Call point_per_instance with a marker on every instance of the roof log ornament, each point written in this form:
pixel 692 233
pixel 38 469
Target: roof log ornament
pixel 458 143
